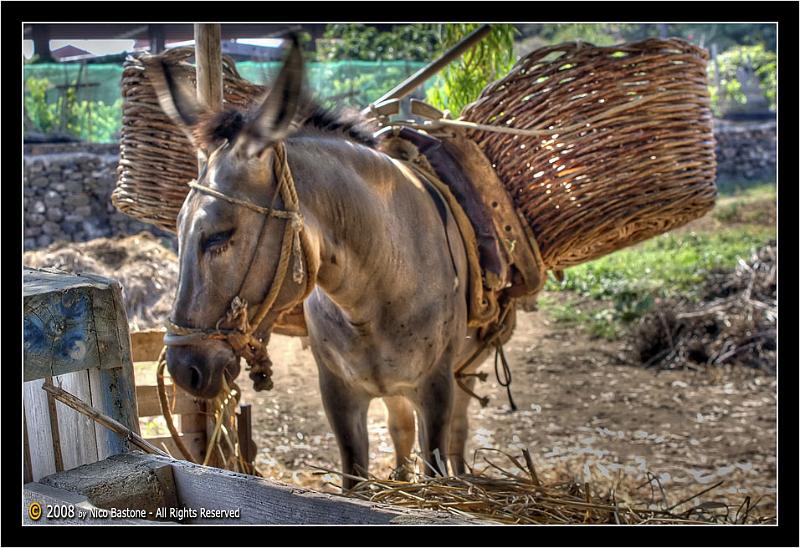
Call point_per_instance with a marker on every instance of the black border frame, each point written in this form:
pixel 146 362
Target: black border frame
pixel 784 13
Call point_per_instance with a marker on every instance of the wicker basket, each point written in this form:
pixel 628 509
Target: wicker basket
pixel 628 151
pixel 156 159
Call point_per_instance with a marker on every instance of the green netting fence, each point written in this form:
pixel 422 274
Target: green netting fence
pixel 84 101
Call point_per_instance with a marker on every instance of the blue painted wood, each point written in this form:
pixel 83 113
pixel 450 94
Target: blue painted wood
pixel 70 324
pixel 76 322
pixel 107 400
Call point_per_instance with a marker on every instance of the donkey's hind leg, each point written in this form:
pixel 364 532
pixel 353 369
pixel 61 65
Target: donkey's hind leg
pixel 346 407
pixel 434 403
pixel 402 429
pixel 459 427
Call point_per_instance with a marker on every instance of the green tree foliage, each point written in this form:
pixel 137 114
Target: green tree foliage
pixel 39 115
pixel 363 42
pixel 457 86
pixel 725 36
pixel 761 62
pixel 464 79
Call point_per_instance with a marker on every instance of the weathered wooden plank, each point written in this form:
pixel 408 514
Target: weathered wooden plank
pixel 193 423
pixel 108 443
pixel 147 482
pixel 262 501
pixel 55 434
pixel 244 427
pixel 26 452
pixel 37 422
pixel 125 380
pixel 194 441
pixel 69 323
pixel 119 482
pixel 100 417
pixel 77 432
pixel 113 388
pixel 109 343
pixel 208 56
pixel 53 496
pixel 146 345
pixel 149 404
pixel 108 397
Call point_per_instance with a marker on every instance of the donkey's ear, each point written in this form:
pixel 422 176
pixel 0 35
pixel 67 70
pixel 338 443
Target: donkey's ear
pixel 272 119
pixel 176 96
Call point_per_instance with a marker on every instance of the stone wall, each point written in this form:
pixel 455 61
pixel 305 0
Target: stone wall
pixel 67 186
pixel 67 195
pixel 746 151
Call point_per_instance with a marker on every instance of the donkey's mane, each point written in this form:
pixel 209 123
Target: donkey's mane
pixel 228 123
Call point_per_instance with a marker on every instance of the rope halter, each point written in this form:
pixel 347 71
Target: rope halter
pixel 240 328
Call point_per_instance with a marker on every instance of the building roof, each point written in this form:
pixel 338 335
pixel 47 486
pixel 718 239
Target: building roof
pixel 170 31
pixel 68 51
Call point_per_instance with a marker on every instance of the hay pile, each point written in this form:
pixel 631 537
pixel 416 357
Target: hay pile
pixel 511 492
pixel 146 269
pixel 734 325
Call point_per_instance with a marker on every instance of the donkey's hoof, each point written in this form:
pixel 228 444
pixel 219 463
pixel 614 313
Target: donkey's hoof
pixel 404 472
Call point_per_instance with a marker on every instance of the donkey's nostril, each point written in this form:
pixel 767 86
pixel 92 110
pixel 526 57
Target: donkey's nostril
pixel 195 378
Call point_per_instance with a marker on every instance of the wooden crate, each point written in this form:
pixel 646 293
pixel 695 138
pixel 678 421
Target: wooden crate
pixel 75 335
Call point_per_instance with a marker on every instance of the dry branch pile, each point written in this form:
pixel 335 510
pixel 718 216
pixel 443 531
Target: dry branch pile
pixel 147 271
pixel 736 323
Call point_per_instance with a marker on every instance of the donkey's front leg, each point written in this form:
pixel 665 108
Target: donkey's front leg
pixel 346 407
pixel 401 428
pixel 434 401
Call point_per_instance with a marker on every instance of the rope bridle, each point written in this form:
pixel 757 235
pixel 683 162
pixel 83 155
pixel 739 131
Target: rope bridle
pixel 236 327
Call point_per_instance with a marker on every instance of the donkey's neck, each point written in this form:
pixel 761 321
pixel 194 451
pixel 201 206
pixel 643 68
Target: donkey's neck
pixel 363 217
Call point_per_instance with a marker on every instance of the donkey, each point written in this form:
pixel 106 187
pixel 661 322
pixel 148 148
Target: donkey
pixel 386 309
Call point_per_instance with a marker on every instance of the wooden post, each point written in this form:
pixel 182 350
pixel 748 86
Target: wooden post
pixel 244 426
pixel 41 43
pixel 717 76
pixel 156 36
pixel 208 56
pixel 75 333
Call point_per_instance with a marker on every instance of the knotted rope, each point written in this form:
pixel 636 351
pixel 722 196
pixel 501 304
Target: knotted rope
pixel 224 437
pixel 237 328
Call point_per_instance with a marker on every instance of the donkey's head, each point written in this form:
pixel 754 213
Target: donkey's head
pixel 227 249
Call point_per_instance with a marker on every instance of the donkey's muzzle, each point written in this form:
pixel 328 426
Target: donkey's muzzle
pixel 200 369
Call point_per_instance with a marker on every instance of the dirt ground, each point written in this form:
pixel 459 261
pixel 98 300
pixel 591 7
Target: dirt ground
pixel 582 413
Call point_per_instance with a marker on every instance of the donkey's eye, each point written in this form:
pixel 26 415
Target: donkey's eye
pixel 217 240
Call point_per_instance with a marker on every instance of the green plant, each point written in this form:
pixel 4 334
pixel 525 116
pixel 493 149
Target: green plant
pixel 463 80
pixel 39 114
pixel 93 121
pixel 757 58
pixel 631 280
pixel 419 42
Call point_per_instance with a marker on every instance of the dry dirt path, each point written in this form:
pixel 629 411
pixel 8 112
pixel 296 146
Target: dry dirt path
pixel 582 414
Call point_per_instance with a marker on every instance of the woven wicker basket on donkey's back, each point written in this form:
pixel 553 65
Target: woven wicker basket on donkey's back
pixel 628 151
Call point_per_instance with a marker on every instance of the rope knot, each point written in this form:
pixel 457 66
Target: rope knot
pixel 238 341
pixel 237 315
pixel 297 248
